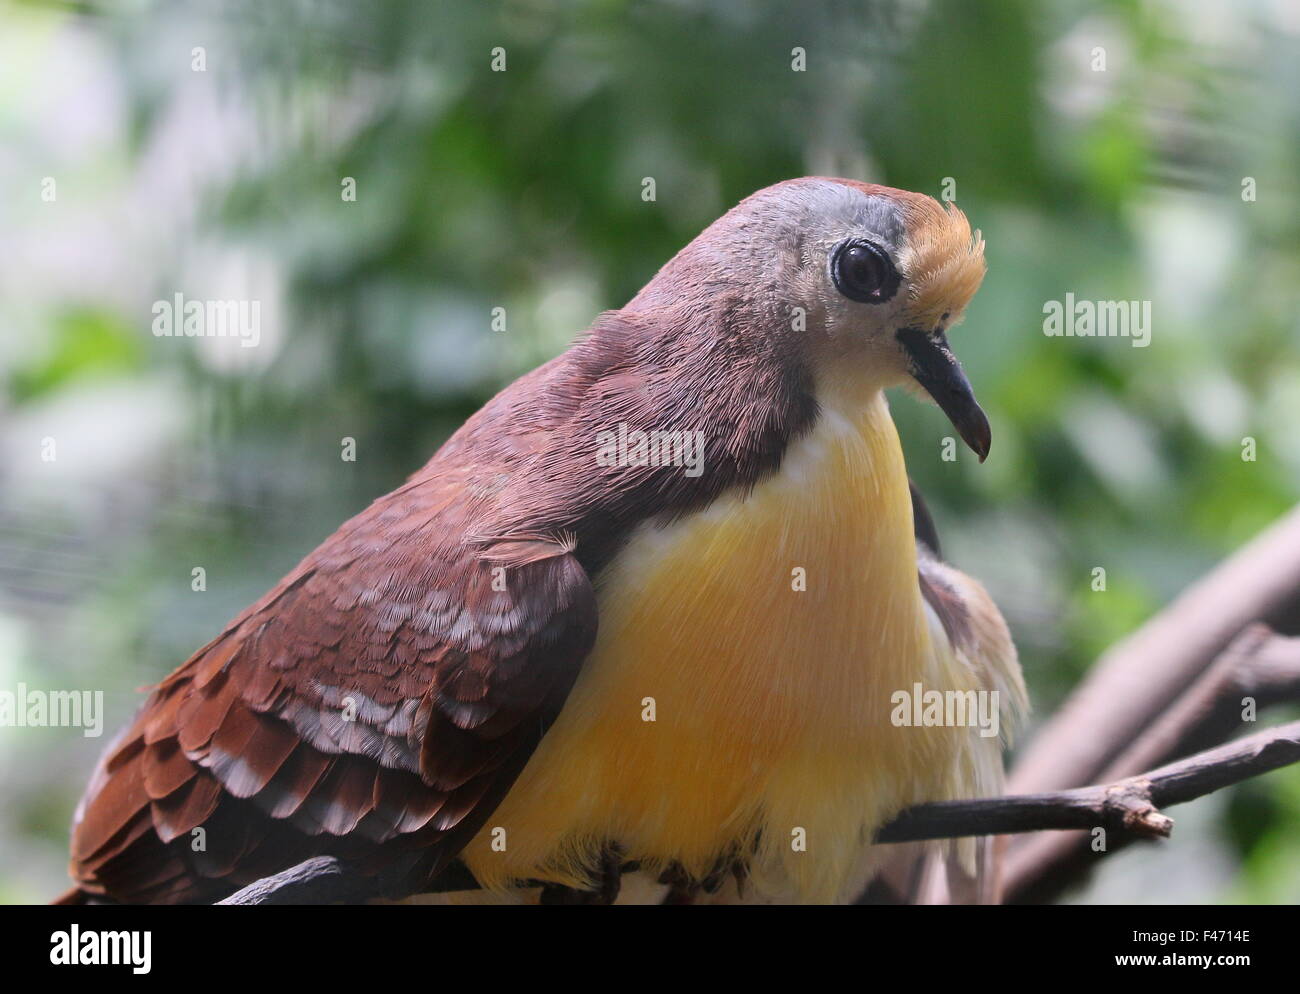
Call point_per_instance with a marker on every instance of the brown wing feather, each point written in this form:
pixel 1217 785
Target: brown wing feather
pixel 390 693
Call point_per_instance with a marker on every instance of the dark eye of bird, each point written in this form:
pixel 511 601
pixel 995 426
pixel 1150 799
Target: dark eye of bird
pixel 863 272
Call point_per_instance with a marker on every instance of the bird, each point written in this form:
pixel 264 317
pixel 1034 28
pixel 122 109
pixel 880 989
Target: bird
pixel 648 611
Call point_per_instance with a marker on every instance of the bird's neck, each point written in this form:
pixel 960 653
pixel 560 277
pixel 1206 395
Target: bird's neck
pixel 852 388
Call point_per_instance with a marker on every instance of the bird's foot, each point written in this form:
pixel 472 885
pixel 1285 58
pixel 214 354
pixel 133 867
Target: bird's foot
pixel 685 889
pixel 608 879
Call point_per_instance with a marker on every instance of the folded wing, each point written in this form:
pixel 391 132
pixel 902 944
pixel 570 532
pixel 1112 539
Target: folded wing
pixel 377 704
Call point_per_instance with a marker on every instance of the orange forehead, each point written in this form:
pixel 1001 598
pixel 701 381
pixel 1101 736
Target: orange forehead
pixel 943 260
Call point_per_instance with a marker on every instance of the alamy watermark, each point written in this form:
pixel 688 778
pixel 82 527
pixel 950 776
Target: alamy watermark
pixel 633 447
pixel 102 947
pixel 28 708
pixel 181 318
pixel 1073 318
pixel 921 708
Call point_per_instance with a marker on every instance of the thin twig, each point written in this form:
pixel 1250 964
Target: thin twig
pixel 1130 806
pixel 1257 664
pixel 1136 679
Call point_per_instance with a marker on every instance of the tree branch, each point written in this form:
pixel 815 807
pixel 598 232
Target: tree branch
pixel 1129 806
pixel 1134 682
pixel 1257 665
pixel 1134 709
pixel 321 880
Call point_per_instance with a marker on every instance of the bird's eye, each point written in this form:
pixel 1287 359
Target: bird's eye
pixel 863 272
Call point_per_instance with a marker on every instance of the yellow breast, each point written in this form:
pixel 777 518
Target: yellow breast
pixel 738 696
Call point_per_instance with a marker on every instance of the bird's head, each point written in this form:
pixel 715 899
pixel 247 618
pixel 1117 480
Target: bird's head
pixel 860 282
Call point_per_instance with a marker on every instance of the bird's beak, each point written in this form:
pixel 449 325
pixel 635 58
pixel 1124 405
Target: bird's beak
pixel 934 366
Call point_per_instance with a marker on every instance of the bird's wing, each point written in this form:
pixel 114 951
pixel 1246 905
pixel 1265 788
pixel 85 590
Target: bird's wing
pixel 389 690
pixel 967 624
pixel 967 872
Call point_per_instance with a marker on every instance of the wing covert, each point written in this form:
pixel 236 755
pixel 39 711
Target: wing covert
pixel 387 692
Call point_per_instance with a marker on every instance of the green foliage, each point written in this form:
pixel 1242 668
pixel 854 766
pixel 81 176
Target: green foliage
pixel 83 343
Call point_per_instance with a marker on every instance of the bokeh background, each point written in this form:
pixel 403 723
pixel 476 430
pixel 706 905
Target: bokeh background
pixel 522 189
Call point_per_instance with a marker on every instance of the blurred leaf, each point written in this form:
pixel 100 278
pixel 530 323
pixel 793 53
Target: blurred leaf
pixel 84 343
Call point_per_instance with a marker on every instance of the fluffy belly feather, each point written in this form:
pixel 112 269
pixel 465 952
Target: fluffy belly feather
pixel 738 696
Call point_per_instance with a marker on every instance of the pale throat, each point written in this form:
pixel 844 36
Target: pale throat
pixel 853 381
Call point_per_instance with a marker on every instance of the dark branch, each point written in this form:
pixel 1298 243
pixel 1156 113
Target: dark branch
pixel 1133 684
pixel 1129 806
pixel 321 880
pixel 1257 664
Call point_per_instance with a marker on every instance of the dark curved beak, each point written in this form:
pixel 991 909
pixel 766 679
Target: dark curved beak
pixel 935 367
